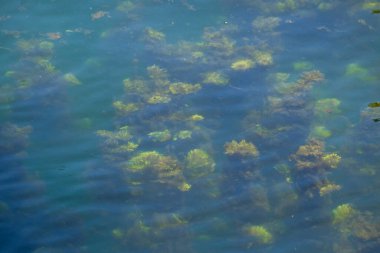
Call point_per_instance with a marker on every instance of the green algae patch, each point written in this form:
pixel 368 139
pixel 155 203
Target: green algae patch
pixel 198 163
pixel 242 148
pixel 260 234
pixel 242 64
pixel 71 79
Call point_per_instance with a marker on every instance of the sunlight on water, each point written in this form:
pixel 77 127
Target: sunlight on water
pixel 189 126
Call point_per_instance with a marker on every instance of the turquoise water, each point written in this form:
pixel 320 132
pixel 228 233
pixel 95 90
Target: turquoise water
pixel 189 126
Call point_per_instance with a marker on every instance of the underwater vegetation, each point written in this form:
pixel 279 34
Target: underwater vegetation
pixel 213 139
pixel 260 234
pixel 215 78
pixel 358 231
pixel 198 164
pixel 242 148
pixel 242 64
pixel 312 157
pixel 163 169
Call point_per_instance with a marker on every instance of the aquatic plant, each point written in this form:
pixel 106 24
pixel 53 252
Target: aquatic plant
pixel 331 160
pixel 302 65
pixel 46 46
pixel 242 148
pixel 320 132
pixel 242 64
pixel 260 234
pixel 136 86
pixel 143 161
pixel 72 79
pixel 328 188
pixel 117 233
pixel 121 134
pixel 309 156
pixel 326 107
pixel 126 6
pixel 309 78
pixel 342 213
pixel 198 164
pixel 215 78
pixel 262 58
pixel 181 88
pixel 218 43
pixel 152 35
pixel 182 135
pixel 285 5
pixel 196 117
pixel 118 142
pixel 125 108
pixel 355 69
pixel 158 99
pixel 158 75
pixel 160 136
pixel 39 48
pixel 165 169
pixel 45 64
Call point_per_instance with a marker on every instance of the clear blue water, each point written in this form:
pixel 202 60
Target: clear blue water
pixel 80 171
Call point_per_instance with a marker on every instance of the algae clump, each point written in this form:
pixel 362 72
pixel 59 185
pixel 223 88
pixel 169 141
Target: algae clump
pixel 198 163
pixel 342 213
pixel 242 148
pixel 242 64
pixel 72 79
pixel 215 78
pixel 261 234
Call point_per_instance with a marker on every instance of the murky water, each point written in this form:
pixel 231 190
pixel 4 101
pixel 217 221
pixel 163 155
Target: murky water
pixel 189 126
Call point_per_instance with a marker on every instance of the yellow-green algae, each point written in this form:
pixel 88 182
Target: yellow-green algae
pixel 182 135
pixel 242 64
pixel 198 164
pixel 72 79
pixel 263 58
pixel 153 35
pixel 328 188
pixel 159 99
pixel 181 88
pixel 342 213
pixel 125 108
pixel 215 78
pixel 326 107
pixel 260 234
pixel 242 148
pixel 160 136
pixel 320 132
pixel 311 157
pixel 165 169
pixel 302 65
pixel 332 160
pixel 196 117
